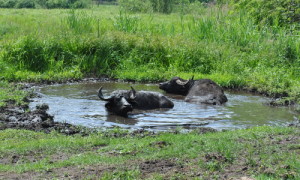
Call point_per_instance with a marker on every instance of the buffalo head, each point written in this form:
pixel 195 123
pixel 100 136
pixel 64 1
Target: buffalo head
pixel 119 102
pixel 177 85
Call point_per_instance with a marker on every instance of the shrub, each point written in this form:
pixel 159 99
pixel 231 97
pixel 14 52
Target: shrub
pixel 8 3
pixel 273 13
pixel 80 4
pixel 162 6
pixel 50 4
pixel 25 4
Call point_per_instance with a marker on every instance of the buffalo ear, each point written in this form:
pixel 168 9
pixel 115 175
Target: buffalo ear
pixel 192 78
pixel 132 93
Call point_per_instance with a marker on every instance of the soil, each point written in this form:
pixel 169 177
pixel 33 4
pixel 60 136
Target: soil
pixel 168 168
pixel 19 117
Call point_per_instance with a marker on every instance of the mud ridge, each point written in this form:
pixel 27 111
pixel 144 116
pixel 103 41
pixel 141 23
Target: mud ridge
pixel 20 117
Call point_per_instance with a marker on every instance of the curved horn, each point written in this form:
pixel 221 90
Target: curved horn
pixel 182 83
pixel 192 78
pixel 100 95
pixel 132 94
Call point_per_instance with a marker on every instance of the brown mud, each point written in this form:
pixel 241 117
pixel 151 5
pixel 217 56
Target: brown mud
pixel 19 117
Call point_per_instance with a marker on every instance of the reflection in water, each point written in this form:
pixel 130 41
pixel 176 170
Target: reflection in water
pixel 79 104
pixel 118 120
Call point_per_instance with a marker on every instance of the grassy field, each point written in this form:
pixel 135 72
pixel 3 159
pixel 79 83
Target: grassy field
pixel 208 42
pixel 260 153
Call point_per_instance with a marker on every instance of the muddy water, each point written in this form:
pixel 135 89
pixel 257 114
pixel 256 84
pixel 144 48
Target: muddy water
pixel 78 104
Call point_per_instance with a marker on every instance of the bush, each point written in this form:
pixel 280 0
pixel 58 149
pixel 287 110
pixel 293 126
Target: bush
pixel 8 3
pixel 273 13
pixel 80 4
pixel 50 4
pixel 162 6
pixel 25 4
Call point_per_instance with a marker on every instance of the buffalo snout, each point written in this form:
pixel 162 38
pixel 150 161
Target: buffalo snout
pixel 125 105
pixel 162 85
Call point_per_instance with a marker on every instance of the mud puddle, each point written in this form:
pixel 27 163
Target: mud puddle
pixel 78 104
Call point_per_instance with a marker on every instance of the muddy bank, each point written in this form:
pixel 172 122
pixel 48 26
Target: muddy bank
pixel 19 117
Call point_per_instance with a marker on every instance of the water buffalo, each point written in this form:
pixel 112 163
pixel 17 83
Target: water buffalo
pixel 122 101
pixel 203 91
pixel 119 101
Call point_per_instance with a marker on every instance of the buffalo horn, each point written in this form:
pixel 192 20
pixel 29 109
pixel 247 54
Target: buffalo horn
pixel 182 83
pixel 100 95
pixel 132 93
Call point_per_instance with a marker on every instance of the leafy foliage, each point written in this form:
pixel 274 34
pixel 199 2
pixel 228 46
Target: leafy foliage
pixel 163 6
pixel 273 13
pixel 49 4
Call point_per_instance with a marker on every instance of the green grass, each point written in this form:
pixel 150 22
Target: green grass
pixel 258 149
pixel 214 42
pixel 11 93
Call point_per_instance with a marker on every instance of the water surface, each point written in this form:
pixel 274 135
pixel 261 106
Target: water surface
pixel 79 104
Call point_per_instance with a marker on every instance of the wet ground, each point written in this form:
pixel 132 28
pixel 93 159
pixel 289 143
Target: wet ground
pixel 38 119
pixel 78 104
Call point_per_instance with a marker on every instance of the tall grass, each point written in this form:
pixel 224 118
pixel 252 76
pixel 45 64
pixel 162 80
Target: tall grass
pixel 79 22
pixel 213 42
